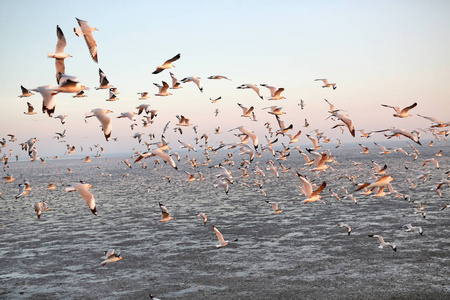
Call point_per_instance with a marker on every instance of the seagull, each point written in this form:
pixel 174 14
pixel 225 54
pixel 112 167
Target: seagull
pixel 59 54
pixel 160 153
pixel 349 228
pixel 100 113
pixel 203 216
pixel 104 82
pixel 275 110
pixel 251 86
pixel 111 256
pixel 195 80
pixel 175 83
pixel 162 89
pixel 48 98
pixel 346 121
pixel 380 182
pixel 224 184
pixel 398 131
pixel 383 244
pixel 434 161
pixel 182 121
pixel 326 83
pixel 165 213
pixel 222 242
pixel 144 95
pixel 248 133
pixel 215 100
pixel 409 227
pixel 275 208
pixel 128 114
pixel 246 112
pixel 401 113
pixel 22 191
pixel 167 64
pixel 30 109
pixel 25 92
pixel 62 118
pixel 275 94
pixel 314 196
pixel 39 207
pixel 187 146
pixel 51 186
pixel 302 104
pixel 87 31
pixel 83 191
pixel 218 77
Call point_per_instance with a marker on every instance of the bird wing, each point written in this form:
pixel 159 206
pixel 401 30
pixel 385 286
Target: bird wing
pixel 61 44
pixel 406 109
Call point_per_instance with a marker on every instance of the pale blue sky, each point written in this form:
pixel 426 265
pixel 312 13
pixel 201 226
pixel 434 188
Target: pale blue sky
pixel 390 52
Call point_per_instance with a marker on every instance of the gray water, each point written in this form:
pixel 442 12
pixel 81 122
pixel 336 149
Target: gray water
pixel 298 254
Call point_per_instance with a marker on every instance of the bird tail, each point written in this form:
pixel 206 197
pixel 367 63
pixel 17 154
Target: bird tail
pixel 51 55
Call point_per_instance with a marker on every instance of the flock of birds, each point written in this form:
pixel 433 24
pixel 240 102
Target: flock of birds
pixel 247 143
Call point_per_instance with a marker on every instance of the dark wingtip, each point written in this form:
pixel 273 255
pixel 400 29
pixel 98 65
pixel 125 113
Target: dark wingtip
pixel 94 210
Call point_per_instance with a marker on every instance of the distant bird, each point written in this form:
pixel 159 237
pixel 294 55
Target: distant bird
pixel 380 182
pixel 224 184
pixel 203 216
pixel 409 227
pixel 215 100
pixel 25 92
pixel 348 227
pixel 59 54
pixel 218 77
pixel 128 114
pixel 251 86
pixel 112 96
pixel 195 80
pixel 104 82
pixel 383 244
pixel 39 207
pixel 246 112
pixel 326 83
pixel 111 256
pixel 165 213
pixel 222 242
pixel 275 93
pixel 162 89
pixel 62 118
pixel 302 104
pixel 248 133
pixel 160 153
pixel 51 186
pixel 401 113
pixel 100 113
pixel 22 191
pixel 275 208
pixel 30 109
pixel 83 191
pixel 48 99
pixel 175 83
pixel 87 31
pixel 144 95
pixel 167 64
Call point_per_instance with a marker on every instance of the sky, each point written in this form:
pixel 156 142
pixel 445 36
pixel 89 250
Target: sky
pixel 378 52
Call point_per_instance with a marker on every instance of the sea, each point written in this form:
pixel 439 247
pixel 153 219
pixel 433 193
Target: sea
pixel 300 253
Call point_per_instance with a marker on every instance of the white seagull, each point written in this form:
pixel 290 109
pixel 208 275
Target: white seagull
pixel 195 80
pixel 383 244
pixel 87 31
pixel 111 256
pixel 100 113
pixel 83 190
pixel 251 86
pixel 59 54
pixel 326 83
pixel 167 64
